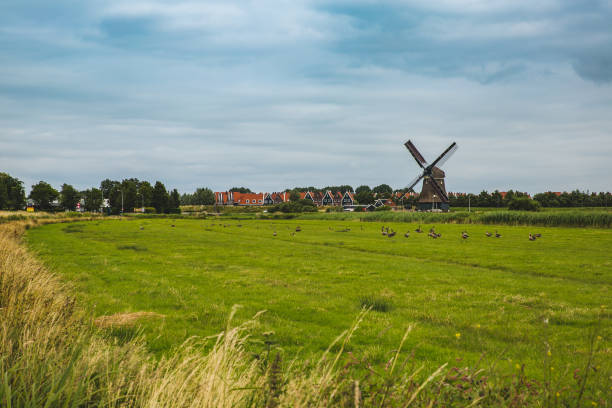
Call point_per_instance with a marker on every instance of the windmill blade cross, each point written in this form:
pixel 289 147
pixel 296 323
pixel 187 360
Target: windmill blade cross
pixel 415 181
pixel 444 156
pixel 438 189
pixel 416 154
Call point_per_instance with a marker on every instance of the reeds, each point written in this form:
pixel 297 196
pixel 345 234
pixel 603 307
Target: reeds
pixel 574 218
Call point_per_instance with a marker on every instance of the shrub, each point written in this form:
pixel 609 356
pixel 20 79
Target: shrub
pixel 334 209
pixel 294 207
pixel 524 204
pixel 149 210
pixel 383 208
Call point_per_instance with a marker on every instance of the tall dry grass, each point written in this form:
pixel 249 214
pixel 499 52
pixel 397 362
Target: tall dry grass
pixel 52 355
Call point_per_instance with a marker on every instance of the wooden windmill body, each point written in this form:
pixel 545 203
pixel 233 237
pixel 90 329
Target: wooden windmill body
pixel 433 194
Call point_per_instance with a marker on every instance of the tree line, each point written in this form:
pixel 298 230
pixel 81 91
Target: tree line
pixel 575 198
pixel 131 193
pixel 125 195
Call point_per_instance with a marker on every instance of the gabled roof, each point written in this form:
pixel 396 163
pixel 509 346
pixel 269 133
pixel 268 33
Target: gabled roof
pixel 351 196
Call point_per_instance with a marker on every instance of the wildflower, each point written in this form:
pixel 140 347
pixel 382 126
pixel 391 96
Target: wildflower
pixel 548 353
pixel 458 335
pixel 558 394
pixel 478 325
pixel 598 337
pixel 552 368
pixel 518 367
pixel 593 403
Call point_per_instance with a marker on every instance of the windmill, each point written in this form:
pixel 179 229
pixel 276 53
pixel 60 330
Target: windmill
pixel 433 194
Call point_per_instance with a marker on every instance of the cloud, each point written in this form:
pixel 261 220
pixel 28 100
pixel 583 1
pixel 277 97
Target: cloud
pixel 273 95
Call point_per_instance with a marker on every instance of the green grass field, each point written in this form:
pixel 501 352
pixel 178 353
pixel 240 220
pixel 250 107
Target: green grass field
pixel 504 297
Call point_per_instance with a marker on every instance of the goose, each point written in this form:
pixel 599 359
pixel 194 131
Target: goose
pixel 537 235
pixel 391 234
pixel 532 237
pixel 298 229
pixel 384 233
pixel 407 235
pixel 439 235
pixel 274 233
pixel 464 235
pixel 488 234
pixel 497 234
pixel 172 225
pixel 419 230
pixel 141 227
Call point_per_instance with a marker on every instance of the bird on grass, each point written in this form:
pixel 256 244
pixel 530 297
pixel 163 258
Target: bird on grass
pixel 298 229
pixel 391 234
pixel 141 227
pixel 407 234
pixel 464 235
pixel 488 234
pixel 537 235
pixel 419 230
pixel 497 234
pixel 274 233
pixel 172 225
pixel 532 237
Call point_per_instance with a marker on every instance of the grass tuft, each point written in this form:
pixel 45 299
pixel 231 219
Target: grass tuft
pixel 376 303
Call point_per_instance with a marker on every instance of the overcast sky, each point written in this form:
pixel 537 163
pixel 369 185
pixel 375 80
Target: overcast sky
pixel 275 94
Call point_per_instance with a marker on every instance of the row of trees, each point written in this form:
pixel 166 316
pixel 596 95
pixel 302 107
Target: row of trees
pixel 122 195
pixel 496 199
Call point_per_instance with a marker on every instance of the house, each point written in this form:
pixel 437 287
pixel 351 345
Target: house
pixel 236 198
pixel 384 201
pixel 348 199
pixel 338 196
pixel 328 198
pixel 314 196
pixel 248 198
pixel 223 198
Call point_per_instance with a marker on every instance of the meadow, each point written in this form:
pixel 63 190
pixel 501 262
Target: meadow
pixel 503 301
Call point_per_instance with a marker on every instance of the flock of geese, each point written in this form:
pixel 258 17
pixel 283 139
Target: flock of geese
pixel 390 233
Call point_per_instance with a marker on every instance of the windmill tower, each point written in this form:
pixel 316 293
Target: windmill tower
pixel 433 194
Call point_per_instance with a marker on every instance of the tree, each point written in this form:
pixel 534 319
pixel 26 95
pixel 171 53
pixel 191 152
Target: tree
pixel 343 189
pixel 383 191
pixel 93 199
pixel 205 196
pixel 361 189
pixel 364 195
pixel 145 194
pixel 243 190
pixel 160 197
pixel 294 195
pixel 12 194
pixel 43 195
pixel 69 197
pixel 174 202
pixel 524 204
